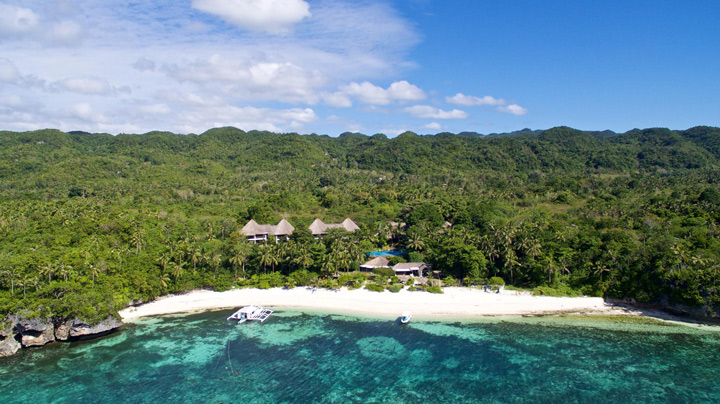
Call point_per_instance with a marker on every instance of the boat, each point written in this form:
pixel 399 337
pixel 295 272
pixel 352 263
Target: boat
pixel 251 313
pixel 406 316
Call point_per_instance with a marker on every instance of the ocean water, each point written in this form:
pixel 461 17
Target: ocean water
pixel 314 358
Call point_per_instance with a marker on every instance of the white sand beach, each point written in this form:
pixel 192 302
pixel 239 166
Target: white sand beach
pixel 458 303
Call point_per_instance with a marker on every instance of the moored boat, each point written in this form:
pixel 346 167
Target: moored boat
pixel 251 313
pixel 406 316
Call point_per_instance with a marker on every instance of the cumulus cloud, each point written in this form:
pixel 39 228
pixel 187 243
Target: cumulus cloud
pixel 501 104
pixel 83 85
pixel 426 111
pixel 144 64
pixel 85 112
pixel 337 99
pixel 16 21
pixel 65 32
pixel 468 100
pixel 369 93
pixel 272 16
pixel 433 126
pixel 8 72
pixel 513 109
pixel 285 82
pixel 155 109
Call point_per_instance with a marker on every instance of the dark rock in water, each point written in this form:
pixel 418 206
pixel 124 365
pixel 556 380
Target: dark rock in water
pixel 9 346
pixel 81 330
pixel 62 330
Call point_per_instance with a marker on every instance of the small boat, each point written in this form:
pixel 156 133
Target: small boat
pixel 251 313
pixel 406 316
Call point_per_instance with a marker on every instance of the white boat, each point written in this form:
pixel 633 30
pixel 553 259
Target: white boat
pixel 251 313
pixel 406 316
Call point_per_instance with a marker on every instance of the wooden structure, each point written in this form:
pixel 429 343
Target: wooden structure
pixel 410 268
pixel 262 232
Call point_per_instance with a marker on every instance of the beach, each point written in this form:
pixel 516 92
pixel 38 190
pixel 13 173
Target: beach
pixel 455 302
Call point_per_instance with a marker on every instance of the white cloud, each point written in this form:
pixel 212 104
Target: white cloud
pixel 433 126
pixel 513 109
pixel 369 93
pixel 426 111
pixel 8 72
pixel 273 16
pixel 144 64
pixel 284 82
pixel 468 100
pixel 83 85
pixel 337 99
pixel 85 112
pixel 65 32
pixel 155 109
pixel 17 20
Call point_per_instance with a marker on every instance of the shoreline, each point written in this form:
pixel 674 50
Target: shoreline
pixel 455 303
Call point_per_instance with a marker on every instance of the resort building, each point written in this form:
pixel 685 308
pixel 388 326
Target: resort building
pixel 318 228
pixel 261 232
pixel 410 268
pixel 377 262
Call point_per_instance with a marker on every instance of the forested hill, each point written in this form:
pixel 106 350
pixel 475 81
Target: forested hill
pixel 89 222
pixel 555 150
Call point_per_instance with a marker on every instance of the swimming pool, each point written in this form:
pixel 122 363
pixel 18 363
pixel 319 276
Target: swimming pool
pixel 394 253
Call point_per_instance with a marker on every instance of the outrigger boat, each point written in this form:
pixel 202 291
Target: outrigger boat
pixel 406 316
pixel 251 313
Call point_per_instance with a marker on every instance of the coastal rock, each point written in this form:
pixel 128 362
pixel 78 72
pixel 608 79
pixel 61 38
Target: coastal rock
pixel 80 329
pixel 9 346
pixel 35 331
pixel 33 338
pixel 62 331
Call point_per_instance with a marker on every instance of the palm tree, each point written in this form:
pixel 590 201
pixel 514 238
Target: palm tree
pixel 268 257
pixel 177 270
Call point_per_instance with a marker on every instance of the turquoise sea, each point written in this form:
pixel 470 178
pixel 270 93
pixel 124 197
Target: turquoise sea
pixel 314 358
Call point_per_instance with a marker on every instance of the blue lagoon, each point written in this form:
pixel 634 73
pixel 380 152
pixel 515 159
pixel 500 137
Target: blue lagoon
pixel 298 357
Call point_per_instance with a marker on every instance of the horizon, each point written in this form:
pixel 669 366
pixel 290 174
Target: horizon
pixel 371 66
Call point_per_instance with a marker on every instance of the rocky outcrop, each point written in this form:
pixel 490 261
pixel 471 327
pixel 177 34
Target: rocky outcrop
pixel 35 332
pixel 62 330
pixel 17 332
pixel 9 346
pixel 81 330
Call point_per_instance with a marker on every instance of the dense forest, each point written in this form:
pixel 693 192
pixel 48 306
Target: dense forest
pixel 92 222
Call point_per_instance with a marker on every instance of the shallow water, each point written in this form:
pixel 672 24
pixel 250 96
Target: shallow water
pixel 295 357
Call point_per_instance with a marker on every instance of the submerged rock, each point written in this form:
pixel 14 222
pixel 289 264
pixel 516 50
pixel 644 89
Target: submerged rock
pixel 81 329
pixel 9 346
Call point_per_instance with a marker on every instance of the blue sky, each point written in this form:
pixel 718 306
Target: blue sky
pixel 372 66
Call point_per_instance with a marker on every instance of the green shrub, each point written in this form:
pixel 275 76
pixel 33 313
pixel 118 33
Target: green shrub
pixel 410 281
pixel 412 288
pixel 263 284
pixel 450 281
pixel 434 289
pixel 384 271
pixel 496 281
pixel 374 287
pixel 395 288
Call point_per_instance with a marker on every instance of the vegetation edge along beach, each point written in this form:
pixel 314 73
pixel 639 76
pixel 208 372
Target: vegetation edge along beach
pixel 93 223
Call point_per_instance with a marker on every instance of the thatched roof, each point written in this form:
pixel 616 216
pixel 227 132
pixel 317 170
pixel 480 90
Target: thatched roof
pixel 376 262
pixel 410 266
pixel 283 228
pixel 318 227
